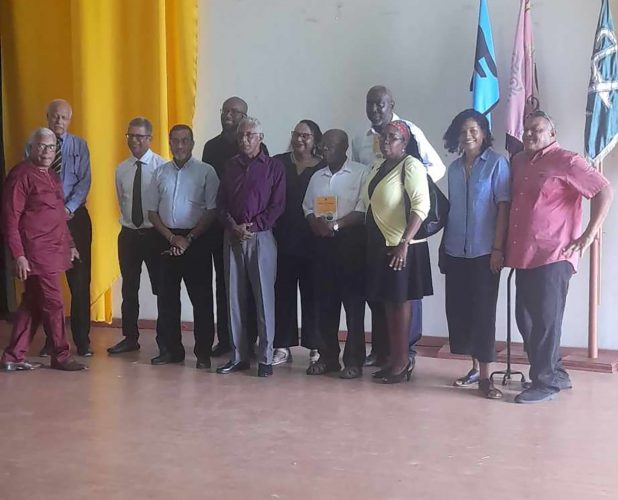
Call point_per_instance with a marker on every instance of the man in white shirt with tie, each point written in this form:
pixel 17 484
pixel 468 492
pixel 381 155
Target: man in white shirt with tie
pixel 138 241
pixel 365 147
pixel 182 208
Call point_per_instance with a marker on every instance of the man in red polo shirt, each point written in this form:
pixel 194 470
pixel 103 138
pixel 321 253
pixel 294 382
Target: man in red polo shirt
pixel 545 242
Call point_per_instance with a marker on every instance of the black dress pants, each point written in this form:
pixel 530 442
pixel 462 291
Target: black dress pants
pixel 198 281
pixel 78 278
pixel 539 307
pixel 294 271
pixel 135 247
pixel 340 277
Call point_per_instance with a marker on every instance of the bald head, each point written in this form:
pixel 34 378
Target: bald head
pixel 59 113
pixel 233 110
pixel 379 106
pixel 334 147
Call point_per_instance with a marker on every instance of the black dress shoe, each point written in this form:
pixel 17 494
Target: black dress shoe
pixel 125 345
pixel 85 353
pixel 220 350
pixel 164 359
pixel 203 364
pixel 374 360
pixel 265 370
pixel 233 366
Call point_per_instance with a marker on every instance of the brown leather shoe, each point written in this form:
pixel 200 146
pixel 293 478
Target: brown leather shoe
pixel 487 389
pixel 70 365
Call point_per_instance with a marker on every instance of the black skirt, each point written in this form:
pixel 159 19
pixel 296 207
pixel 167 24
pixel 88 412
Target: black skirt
pixel 386 285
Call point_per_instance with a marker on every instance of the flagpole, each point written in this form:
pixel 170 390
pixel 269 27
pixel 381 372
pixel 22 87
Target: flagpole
pixel 593 301
pixel 594 290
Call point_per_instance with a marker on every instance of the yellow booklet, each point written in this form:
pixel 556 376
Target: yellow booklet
pixel 325 206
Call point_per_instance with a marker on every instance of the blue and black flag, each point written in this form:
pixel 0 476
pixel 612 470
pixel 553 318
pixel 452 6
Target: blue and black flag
pixel 485 88
pixel 601 133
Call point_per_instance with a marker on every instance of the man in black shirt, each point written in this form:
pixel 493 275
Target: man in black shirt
pixel 217 151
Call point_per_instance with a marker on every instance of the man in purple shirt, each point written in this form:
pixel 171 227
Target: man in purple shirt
pixel 251 198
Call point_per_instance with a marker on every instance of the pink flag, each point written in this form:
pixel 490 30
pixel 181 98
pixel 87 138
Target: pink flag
pixel 523 91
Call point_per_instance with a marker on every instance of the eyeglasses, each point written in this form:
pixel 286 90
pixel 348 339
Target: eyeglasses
pixel 233 112
pixel 391 138
pixel 248 135
pixel 139 137
pixel 184 140
pixel 46 147
pixel 301 135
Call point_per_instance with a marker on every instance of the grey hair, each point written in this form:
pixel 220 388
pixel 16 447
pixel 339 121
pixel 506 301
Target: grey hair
pixel 252 123
pixel 39 132
pixel 537 113
pixel 58 102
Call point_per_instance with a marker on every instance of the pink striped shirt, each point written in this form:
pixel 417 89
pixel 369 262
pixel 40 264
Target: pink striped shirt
pixel 546 205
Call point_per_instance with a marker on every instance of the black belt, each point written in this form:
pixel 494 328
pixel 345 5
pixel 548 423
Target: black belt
pixel 143 231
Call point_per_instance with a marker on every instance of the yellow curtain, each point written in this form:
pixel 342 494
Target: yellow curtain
pixel 112 60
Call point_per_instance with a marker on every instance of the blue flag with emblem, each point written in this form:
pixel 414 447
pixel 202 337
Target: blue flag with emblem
pixel 485 88
pixel 601 133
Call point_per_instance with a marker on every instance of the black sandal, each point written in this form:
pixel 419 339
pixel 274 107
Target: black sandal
pixel 472 377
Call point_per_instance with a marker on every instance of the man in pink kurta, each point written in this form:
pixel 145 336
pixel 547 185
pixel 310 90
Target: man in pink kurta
pixel 545 241
pixel 35 229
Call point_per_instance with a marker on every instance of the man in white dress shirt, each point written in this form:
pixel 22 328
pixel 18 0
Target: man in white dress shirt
pixel 182 209
pixel 138 241
pixel 336 215
pixel 366 149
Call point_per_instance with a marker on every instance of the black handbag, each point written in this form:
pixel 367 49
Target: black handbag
pixel 438 209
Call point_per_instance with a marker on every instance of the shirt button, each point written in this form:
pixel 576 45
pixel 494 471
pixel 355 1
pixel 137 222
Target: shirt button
pixel 521 194
pixel 514 243
pixel 517 209
pixel 525 178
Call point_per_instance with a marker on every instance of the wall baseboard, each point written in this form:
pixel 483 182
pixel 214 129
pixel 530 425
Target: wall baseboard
pixel 574 358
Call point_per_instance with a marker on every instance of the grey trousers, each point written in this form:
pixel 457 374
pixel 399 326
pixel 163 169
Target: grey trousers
pixel 251 263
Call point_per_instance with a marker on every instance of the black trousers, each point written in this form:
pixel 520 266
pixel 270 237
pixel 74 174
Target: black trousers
pixel 340 280
pixel 292 272
pixel 214 237
pixel 135 247
pixel 198 281
pixel 78 278
pixel 471 298
pixel 539 307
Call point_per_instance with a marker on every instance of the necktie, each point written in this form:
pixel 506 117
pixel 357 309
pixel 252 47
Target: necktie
pixel 56 165
pixel 137 214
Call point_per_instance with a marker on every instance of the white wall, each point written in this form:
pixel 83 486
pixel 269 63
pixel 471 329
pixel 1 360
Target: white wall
pixel 316 59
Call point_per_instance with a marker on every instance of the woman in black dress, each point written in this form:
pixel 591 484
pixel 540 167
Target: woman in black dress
pixel 295 252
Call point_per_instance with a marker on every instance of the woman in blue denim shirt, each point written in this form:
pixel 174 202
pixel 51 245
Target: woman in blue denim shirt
pixel 479 195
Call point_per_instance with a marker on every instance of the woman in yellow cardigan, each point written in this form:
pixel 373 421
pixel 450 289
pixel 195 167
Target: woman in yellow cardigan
pixel 398 268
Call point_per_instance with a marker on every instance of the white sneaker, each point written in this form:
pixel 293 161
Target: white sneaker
pixel 282 355
pixel 314 355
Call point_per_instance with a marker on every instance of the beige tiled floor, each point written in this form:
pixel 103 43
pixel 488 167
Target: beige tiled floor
pixel 127 430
